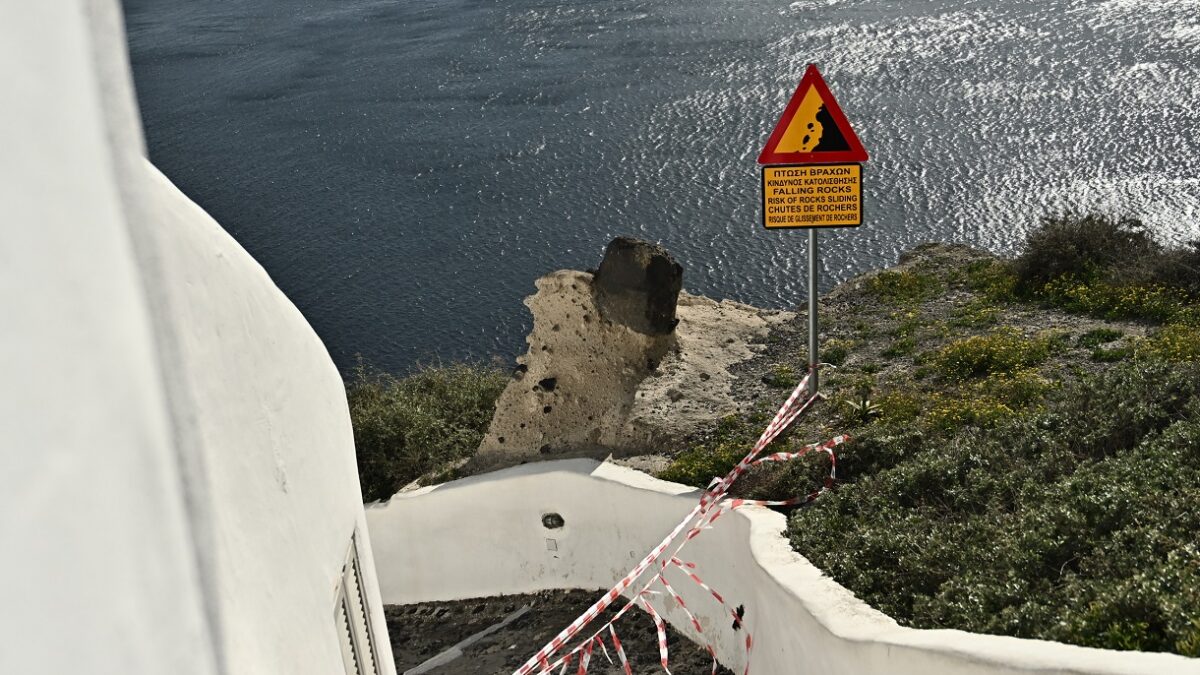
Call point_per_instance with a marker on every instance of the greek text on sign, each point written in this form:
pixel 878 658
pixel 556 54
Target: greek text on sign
pixel 828 195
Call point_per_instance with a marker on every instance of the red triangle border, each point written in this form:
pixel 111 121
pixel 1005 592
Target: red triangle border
pixel 856 153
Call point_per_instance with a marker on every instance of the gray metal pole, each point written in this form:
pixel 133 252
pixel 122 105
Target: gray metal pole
pixel 812 312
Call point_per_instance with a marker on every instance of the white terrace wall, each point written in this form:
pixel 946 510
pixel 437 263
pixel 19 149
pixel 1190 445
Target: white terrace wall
pixel 177 487
pixel 483 536
pixel 97 567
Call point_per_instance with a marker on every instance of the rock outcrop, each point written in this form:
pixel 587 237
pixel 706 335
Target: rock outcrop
pixel 621 362
pixel 638 286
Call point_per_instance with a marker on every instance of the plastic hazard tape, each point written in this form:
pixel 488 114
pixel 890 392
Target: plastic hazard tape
pixel 711 506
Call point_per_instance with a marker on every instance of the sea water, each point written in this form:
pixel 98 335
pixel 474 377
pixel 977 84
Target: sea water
pixel 405 169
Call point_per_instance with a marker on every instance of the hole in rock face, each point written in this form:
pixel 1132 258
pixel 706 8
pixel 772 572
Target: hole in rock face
pixel 546 409
pixel 553 521
pixel 548 383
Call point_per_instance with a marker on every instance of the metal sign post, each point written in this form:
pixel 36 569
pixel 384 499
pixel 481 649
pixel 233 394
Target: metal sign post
pixel 815 182
pixel 813 328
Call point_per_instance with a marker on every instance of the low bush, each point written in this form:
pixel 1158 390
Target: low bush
pixel 1111 301
pixel 405 427
pixel 1111 354
pixel 976 314
pixel 715 456
pixel 950 412
pixel 1017 389
pixel 902 286
pixel 1173 343
pixel 1003 351
pixel 1074 522
pixel 994 280
pixel 1102 266
pixel 782 376
pixel 834 352
pixel 1179 268
pixel 1081 246
pixel 1099 336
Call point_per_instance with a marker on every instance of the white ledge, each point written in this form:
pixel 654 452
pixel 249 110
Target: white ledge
pixel 483 536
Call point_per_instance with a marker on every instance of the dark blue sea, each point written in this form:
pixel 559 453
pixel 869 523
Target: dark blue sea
pixel 405 169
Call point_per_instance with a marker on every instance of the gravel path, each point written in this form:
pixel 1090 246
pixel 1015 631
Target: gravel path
pixel 422 631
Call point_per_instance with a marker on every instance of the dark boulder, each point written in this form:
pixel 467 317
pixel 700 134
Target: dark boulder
pixel 638 286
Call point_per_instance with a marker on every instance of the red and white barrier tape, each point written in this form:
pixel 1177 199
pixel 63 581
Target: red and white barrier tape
pixel 711 500
pixel 620 650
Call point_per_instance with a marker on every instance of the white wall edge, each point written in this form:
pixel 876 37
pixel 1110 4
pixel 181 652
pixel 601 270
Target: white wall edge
pixel 482 536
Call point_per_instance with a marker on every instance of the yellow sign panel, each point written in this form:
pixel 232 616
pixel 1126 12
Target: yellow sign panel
pixel 826 195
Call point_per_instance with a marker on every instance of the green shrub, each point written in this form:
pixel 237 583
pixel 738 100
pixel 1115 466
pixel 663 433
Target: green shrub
pixel 714 457
pixel 781 376
pixel 1173 343
pixel 1002 351
pixel 1112 301
pixel 1016 389
pixel 835 351
pixel 993 279
pixel 1099 336
pixel 1178 268
pixel 1111 355
pixel 976 314
pixel 405 427
pixel 1074 522
pixel 1189 643
pixel 901 407
pixel 903 286
pixel 1081 246
pixel 952 412
pixel 900 347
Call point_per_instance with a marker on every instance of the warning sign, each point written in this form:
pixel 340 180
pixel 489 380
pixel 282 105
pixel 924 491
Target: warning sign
pixel 813 129
pixel 828 195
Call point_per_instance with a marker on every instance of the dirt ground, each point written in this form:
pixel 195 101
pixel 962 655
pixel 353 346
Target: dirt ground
pixel 422 631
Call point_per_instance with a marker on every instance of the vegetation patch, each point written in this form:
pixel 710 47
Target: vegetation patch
pixel 1003 351
pixel 1114 301
pixel 993 280
pixel 1099 336
pixel 1111 355
pixel 1006 477
pixel 405 427
pixel 781 376
pixel 1174 343
pixel 903 286
pixel 1083 246
pixel 717 454
pixel 835 351
pixel 1085 511
pixel 978 313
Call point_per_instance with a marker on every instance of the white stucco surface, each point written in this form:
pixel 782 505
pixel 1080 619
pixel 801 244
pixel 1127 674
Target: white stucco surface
pixel 178 488
pixel 97 573
pixel 483 536
pixel 269 412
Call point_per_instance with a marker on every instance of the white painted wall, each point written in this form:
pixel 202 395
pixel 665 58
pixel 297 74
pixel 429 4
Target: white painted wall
pixel 97 572
pixel 483 536
pixel 177 486
pixel 269 412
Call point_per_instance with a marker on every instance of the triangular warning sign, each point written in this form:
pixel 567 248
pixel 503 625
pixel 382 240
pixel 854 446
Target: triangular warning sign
pixel 813 129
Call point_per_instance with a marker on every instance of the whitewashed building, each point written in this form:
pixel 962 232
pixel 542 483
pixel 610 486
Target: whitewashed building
pixel 178 492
